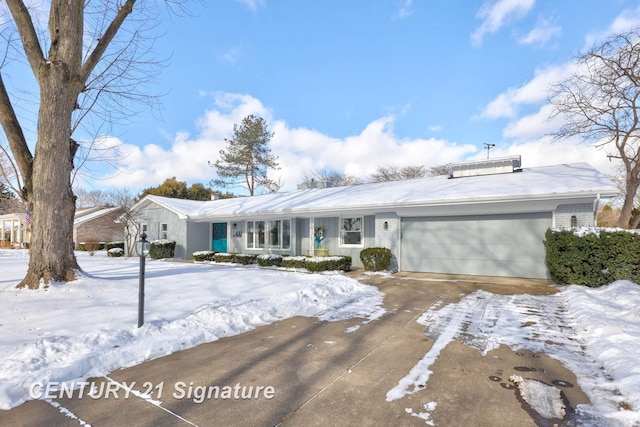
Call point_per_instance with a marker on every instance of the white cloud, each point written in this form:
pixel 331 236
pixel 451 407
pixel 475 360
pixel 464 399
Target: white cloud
pixel 496 14
pixel 508 103
pixel 625 21
pixel 300 150
pixel 231 56
pixel 405 10
pixel 545 152
pixel 253 5
pixel 541 34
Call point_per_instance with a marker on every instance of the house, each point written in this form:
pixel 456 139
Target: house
pixel 97 224
pixel 486 218
pixel 14 230
pixel 90 224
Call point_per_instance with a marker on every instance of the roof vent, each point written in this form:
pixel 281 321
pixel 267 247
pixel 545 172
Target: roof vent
pixel 485 167
pixel 314 184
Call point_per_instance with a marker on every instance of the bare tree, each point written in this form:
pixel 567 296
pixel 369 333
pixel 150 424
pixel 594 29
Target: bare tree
pixel 92 58
pixel 334 177
pixel 130 220
pixel 599 103
pixel 398 173
pixel 89 198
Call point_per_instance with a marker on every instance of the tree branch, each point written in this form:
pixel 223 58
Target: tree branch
pixel 28 35
pixel 109 34
pixel 16 138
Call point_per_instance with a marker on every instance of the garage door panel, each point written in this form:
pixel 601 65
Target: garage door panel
pixel 502 245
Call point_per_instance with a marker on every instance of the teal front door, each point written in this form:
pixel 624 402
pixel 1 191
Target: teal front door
pixel 219 239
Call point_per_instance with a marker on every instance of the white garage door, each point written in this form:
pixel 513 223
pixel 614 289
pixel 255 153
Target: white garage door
pixel 488 245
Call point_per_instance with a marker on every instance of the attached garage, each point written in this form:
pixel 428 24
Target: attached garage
pixel 492 245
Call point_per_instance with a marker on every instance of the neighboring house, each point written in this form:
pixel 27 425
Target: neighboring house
pixel 486 218
pixel 14 232
pixel 98 224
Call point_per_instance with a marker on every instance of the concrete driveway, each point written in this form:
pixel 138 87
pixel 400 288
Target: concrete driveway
pixel 305 372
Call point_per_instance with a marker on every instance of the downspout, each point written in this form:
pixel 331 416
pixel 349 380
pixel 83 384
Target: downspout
pixel 596 206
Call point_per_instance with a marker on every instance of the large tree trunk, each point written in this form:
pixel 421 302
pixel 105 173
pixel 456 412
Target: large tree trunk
pixel 51 197
pixel 631 187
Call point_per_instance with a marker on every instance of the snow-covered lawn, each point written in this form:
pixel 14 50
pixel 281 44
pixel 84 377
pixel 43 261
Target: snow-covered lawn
pixel 89 328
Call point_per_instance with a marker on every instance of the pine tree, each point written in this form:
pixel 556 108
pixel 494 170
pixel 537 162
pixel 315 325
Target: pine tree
pixel 247 158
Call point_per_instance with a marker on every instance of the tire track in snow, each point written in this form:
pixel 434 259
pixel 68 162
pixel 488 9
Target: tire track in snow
pixel 485 321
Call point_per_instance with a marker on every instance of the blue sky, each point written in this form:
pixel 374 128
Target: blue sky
pixel 353 85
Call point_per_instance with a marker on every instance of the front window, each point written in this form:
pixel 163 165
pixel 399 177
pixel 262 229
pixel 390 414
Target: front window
pixel 164 231
pixel 276 234
pixel 255 234
pixel 351 231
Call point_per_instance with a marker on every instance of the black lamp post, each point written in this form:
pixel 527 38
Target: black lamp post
pixel 142 248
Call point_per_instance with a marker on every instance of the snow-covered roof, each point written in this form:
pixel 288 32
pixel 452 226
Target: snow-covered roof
pixel 538 183
pixel 84 216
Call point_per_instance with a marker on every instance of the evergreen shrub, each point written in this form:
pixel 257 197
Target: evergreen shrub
pixel 594 258
pixel 115 252
pixel 332 263
pixel 202 256
pixel 224 257
pixel 294 262
pixel 376 259
pixel 269 260
pixel 110 245
pixel 160 249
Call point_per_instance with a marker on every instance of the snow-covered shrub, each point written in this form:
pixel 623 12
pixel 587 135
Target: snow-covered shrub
pixel 201 256
pixel 593 258
pixel 330 263
pixel 245 259
pixel 110 245
pixel 162 249
pixel 115 252
pixel 224 257
pixel 376 259
pixel 269 260
pixel 294 262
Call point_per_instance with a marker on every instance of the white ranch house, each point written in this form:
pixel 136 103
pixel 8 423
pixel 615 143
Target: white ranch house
pixel 485 218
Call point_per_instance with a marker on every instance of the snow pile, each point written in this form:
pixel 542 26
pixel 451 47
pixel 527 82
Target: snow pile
pixel 546 400
pixel 89 328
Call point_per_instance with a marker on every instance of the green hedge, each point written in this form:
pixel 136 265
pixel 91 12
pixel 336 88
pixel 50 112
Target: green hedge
pixel 244 259
pixel 162 249
pixel 592 259
pixel 315 264
pixel 270 260
pixel 376 259
pixel 202 256
pixel 294 262
pixel 331 263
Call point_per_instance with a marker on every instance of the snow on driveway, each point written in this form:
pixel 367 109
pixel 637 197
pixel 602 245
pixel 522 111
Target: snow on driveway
pixel 595 333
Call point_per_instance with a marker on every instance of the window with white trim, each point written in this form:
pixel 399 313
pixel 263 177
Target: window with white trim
pixel 255 234
pixel 164 231
pixel 351 231
pixel 276 234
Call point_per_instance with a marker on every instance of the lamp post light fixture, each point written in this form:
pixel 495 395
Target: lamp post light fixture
pixel 142 249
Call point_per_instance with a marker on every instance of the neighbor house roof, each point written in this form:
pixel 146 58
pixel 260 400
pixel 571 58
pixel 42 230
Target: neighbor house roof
pixel 85 215
pixel 538 183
